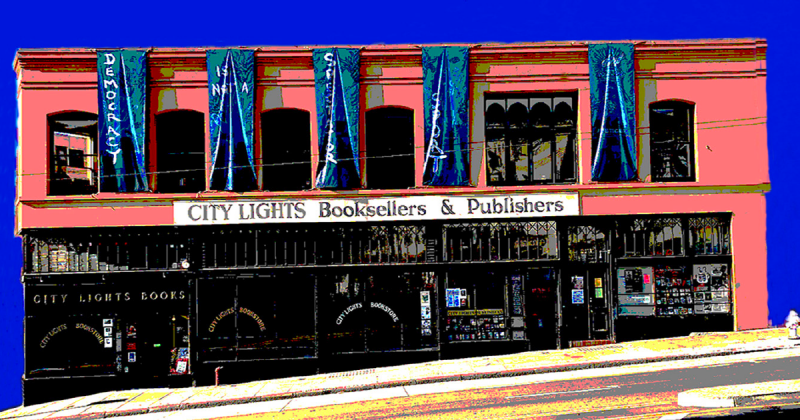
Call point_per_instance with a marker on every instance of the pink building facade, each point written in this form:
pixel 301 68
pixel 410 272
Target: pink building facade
pixel 681 248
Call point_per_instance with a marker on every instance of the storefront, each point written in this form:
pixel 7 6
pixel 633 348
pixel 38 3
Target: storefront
pixel 106 331
pixel 381 205
pixel 164 306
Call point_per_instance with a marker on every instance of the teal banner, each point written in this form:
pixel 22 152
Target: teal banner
pixel 122 104
pixel 336 82
pixel 446 98
pixel 613 113
pixel 231 87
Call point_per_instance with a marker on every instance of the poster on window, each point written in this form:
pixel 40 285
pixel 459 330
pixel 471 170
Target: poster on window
pixel 577 296
pixel 711 288
pixel 453 298
pixel 425 298
pixel 180 361
pixel 516 295
pixel 426 312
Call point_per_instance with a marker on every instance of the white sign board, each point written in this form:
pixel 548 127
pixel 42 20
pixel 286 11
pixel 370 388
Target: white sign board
pixel 376 209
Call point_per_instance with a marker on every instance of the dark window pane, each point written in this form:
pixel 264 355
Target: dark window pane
pixel 672 148
pixel 180 158
pixel 565 157
pixel 533 147
pixel 390 148
pixel 286 145
pixel 520 159
pixel 495 117
pixel 542 161
pixel 496 160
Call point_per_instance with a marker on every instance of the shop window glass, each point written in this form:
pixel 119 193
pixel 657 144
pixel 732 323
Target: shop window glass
pixel 180 152
pixel 286 150
pixel 246 317
pixel 476 306
pixel 67 346
pixel 372 244
pixel 709 235
pixel 390 148
pixel 363 312
pixel 672 141
pixel 587 244
pixel 530 138
pixel 275 317
pixel 498 241
pixel 712 288
pixel 297 246
pixel 75 251
pixel 73 153
pixel 652 237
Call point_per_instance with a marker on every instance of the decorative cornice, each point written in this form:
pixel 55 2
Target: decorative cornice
pixel 653 75
pixel 564 77
pixel 299 58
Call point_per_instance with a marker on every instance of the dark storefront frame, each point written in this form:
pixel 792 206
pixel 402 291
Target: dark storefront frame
pixel 571 268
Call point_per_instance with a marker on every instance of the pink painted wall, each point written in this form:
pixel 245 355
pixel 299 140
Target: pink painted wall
pixel 727 88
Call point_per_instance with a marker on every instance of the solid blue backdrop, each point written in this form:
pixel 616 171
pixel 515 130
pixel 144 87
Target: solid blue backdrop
pixel 166 24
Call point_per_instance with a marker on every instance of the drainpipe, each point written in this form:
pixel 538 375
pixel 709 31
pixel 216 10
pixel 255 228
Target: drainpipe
pixel 216 375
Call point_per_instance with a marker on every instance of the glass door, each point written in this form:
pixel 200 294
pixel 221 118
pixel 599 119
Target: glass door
pixel 541 308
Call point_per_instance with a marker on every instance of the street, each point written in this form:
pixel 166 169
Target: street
pixel 640 391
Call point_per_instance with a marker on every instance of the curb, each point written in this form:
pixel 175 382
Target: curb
pixel 729 396
pixel 702 399
pixel 690 399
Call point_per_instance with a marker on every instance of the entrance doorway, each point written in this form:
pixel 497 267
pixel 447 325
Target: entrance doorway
pixel 585 306
pixel 541 303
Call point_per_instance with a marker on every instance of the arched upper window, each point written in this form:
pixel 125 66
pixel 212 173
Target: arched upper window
pixel 286 150
pixel 390 148
pixel 536 142
pixel 73 153
pixel 672 141
pixel 180 152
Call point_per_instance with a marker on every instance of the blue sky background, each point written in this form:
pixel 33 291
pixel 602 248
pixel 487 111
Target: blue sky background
pixel 167 24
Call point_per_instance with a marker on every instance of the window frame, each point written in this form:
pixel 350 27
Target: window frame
pixel 161 152
pixel 303 141
pixel 530 134
pixel 55 125
pixel 386 159
pixel 658 145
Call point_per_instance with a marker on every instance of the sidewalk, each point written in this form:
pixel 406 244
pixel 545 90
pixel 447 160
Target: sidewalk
pixel 142 401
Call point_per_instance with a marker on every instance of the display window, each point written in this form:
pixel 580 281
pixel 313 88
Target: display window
pixel 136 327
pixel 711 285
pixel 477 306
pixel 675 290
pixel 366 312
pixel 257 317
pixel 76 345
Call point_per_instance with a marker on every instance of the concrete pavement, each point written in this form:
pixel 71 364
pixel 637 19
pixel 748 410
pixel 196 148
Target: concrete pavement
pixel 279 391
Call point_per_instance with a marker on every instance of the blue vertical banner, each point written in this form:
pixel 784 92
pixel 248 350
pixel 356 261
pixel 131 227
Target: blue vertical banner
pixel 336 83
pixel 613 114
pixel 122 97
pixel 231 86
pixel 446 97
